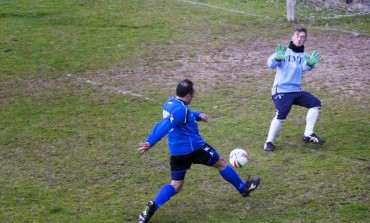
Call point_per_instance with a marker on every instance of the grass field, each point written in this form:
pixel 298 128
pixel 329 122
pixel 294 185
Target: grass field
pixel 83 82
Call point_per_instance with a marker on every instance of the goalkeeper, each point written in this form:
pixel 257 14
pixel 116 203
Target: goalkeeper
pixel 290 64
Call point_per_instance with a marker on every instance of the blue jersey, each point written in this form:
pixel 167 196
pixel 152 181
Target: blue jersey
pixel 180 123
pixel 289 72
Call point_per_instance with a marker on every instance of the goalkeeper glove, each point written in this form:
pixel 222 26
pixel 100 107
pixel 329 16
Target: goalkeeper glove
pixel 313 59
pixel 280 53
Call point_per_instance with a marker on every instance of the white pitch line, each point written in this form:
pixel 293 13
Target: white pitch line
pixel 221 8
pixel 118 90
pixel 267 17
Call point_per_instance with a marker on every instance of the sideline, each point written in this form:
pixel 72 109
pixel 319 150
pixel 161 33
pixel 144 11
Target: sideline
pixel 118 90
pixel 268 17
pixel 221 8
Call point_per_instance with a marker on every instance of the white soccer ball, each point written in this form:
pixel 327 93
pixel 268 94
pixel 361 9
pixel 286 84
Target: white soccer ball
pixel 238 158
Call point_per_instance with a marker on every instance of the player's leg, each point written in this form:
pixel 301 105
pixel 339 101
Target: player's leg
pixel 231 176
pixel 275 127
pixel 283 104
pixel 209 156
pixel 311 118
pixel 313 105
pixel 178 172
pixel 164 195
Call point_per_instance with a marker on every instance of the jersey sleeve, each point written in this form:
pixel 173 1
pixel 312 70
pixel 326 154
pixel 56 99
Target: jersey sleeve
pixel 272 62
pixel 196 115
pixel 170 120
pixel 307 67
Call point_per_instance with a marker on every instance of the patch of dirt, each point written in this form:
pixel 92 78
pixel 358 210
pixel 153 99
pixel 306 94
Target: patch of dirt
pixel 343 71
pixel 345 66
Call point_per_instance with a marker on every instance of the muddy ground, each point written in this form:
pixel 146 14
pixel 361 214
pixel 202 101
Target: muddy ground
pixel 343 71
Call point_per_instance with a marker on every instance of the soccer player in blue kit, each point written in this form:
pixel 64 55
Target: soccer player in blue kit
pixel 290 64
pixel 186 147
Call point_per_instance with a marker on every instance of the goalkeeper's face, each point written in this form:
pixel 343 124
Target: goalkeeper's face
pixel 299 38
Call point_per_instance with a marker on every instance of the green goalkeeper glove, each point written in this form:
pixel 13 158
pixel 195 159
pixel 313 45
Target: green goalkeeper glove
pixel 313 59
pixel 280 53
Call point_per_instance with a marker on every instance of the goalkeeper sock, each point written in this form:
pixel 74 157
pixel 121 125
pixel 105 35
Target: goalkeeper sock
pixel 164 195
pixel 230 175
pixel 274 129
pixel 311 118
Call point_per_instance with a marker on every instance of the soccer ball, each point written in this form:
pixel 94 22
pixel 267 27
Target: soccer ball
pixel 238 158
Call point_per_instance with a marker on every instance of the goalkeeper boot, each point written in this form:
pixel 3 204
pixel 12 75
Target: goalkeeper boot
pixel 313 138
pixel 269 147
pixel 251 186
pixel 147 213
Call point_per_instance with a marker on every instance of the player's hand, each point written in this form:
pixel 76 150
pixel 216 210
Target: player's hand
pixel 314 58
pixel 143 147
pixel 280 52
pixel 203 117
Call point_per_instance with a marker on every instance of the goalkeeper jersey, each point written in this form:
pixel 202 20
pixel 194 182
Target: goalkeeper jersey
pixel 289 72
pixel 180 123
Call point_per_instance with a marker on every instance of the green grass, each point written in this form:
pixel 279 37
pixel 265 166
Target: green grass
pixel 68 149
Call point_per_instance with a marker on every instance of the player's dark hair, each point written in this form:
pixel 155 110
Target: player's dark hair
pixel 300 29
pixel 184 87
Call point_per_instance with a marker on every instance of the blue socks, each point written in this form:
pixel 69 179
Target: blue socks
pixel 164 195
pixel 230 175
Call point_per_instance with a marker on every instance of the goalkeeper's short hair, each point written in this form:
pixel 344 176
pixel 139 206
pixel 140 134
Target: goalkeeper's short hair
pixel 300 29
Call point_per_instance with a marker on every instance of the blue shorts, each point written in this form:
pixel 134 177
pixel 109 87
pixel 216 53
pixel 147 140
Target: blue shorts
pixel 180 164
pixel 284 102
